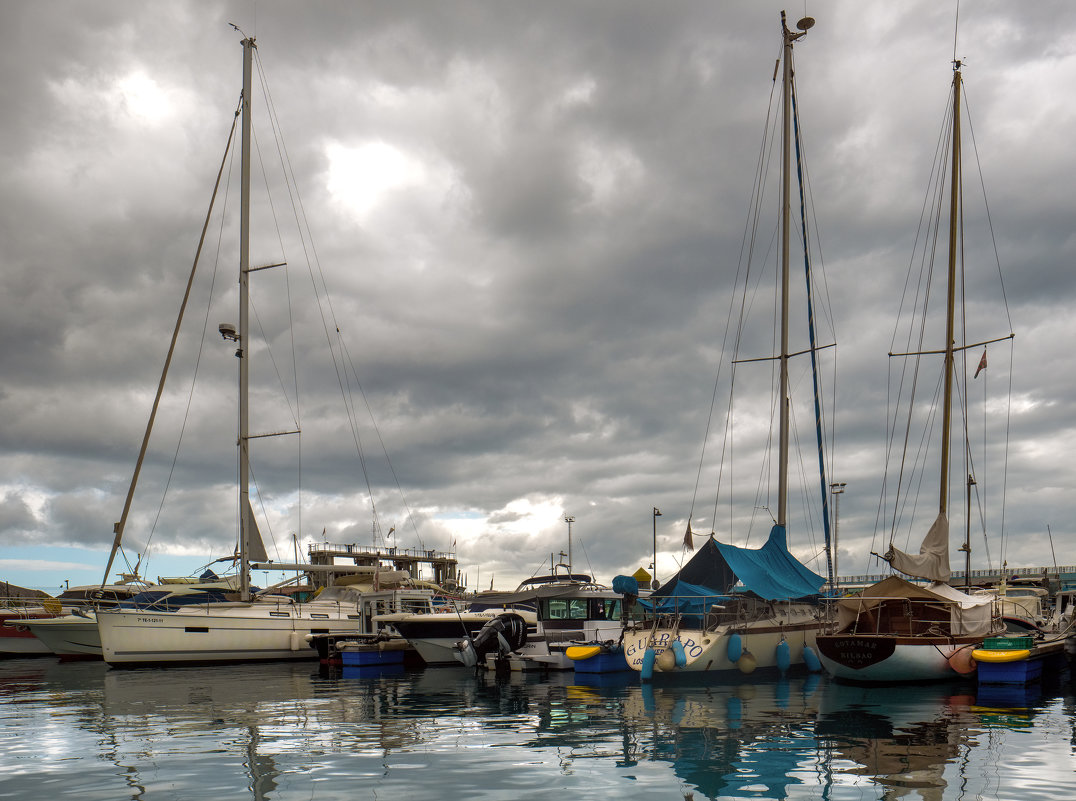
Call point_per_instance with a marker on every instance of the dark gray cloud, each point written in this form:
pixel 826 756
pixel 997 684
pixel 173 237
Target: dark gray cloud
pixel 529 220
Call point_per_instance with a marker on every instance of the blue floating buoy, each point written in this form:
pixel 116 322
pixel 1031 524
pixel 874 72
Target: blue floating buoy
pixel 679 653
pixel 735 648
pixel 784 656
pixel 647 671
pixel 811 660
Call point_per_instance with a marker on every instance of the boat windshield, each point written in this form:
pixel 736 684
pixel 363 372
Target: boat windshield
pixel 580 608
pixel 168 599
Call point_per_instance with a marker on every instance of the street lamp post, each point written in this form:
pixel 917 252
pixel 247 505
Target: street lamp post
pixel 654 573
pixel 837 489
pixel 569 520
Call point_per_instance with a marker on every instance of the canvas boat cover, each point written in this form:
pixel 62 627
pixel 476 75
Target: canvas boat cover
pixel 770 572
pixel 970 615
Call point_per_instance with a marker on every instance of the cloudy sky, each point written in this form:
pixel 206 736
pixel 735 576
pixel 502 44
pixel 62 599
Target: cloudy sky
pixel 527 221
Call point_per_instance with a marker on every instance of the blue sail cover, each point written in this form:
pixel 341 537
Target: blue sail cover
pixel 685 598
pixel 770 572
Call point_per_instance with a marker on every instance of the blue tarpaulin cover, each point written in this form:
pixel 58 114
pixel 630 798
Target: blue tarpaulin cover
pixel 770 572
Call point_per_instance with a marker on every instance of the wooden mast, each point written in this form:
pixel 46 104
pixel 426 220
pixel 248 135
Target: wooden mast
pixel 786 214
pixel 950 317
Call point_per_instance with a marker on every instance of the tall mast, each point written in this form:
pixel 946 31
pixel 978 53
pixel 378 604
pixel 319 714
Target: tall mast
pixel 950 316
pixel 786 214
pixel 244 327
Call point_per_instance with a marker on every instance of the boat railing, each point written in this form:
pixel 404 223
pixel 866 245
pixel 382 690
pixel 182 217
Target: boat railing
pixel 384 552
pixel 923 617
pixel 23 605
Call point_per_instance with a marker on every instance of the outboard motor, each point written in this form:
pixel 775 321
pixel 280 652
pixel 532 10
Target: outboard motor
pixel 501 635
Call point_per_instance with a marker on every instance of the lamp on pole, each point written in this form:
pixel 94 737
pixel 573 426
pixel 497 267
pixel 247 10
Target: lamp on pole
pixel 654 573
pixel 569 520
pixel 837 488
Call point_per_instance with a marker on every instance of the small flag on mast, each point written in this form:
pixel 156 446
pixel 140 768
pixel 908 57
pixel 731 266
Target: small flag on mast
pixel 981 367
pixel 688 542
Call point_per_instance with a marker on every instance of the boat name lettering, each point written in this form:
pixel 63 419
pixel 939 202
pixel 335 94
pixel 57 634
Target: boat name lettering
pixel 692 648
pixel 150 619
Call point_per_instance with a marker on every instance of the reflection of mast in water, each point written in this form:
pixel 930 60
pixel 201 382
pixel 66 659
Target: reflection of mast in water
pixel 897 744
pixel 716 738
pixel 262 770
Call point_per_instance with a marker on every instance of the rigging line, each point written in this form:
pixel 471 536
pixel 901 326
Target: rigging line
pixel 310 251
pixel 302 223
pixel 927 265
pixel 811 333
pixel 908 503
pixel 743 268
pixel 313 260
pixel 265 514
pixel 1008 424
pixel 297 413
pixel 986 205
pixel 827 305
pixel 928 210
pixel 291 322
pixel 272 360
pixel 228 152
pixel 956 27
pixel 381 441
pixel 119 527
pixel 278 138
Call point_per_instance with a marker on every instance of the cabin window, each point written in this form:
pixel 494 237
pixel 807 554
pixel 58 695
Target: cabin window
pixel 318 616
pixel 564 609
pixel 279 614
pixel 605 609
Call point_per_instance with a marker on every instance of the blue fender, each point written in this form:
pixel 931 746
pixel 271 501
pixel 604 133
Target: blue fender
pixel 811 660
pixel 647 671
pixel 679 653
pixel 784 656
pixel 735 648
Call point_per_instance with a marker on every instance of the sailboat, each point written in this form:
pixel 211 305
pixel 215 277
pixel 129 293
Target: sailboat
pixel 896 630
pixel 732 608
pixel 248 626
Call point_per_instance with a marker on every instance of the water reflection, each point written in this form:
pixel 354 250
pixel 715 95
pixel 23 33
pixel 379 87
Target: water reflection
pixel 284 732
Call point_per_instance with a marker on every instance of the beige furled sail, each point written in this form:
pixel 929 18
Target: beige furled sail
pixel 932 561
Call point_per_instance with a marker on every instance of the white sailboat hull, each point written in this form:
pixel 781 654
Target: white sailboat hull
pixel 882 659
pixel 707 650
pixel 242 633
pixel 70 635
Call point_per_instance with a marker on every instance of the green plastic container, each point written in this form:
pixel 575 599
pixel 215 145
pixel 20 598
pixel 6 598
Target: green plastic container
pixel 1018 643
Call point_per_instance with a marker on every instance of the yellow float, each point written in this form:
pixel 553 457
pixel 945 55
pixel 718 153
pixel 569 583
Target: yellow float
pixel 985 655
pixel 577 653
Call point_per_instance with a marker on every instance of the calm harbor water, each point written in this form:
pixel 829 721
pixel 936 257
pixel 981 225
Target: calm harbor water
pixel 291 732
